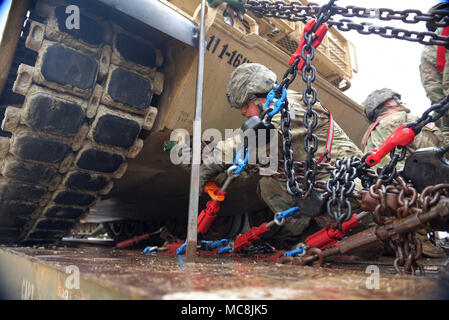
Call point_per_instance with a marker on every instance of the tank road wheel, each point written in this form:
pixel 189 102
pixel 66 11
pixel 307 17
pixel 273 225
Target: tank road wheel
pixel 76 102
pixel 115 230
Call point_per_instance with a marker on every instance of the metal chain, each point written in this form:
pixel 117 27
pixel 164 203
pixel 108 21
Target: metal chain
pixel 432 114
pixel 296 11
pixel 289 77
pixel 431 195
pixel 302 11
pixel 340 187
pixel 293 187
pixel 341 184
pixel 310 116
pixel 323 169
pixel 364 173
pixel 407 247
pixel 389 172
pixel 435 112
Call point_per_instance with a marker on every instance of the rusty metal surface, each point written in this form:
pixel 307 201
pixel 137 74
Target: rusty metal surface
pixel 107 273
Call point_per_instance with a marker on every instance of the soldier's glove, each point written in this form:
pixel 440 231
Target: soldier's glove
pixel 209 172
pixel 313 206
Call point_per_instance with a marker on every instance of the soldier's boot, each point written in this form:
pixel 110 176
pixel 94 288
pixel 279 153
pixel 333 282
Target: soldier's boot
pixel 428 249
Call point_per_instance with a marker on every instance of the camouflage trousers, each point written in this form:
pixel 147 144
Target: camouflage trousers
pixel 297 228
pixel 443 125
pixel 275 196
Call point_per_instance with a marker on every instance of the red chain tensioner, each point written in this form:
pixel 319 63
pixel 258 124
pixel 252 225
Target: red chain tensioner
pixel 329 236
pixel 130 242
pixel 402 136
pixel 319 33
pixel 208 215
pixel 248 237
pixel 255 233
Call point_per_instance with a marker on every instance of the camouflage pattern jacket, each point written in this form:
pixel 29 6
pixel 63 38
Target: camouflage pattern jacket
pixel 342 146
pixel 430 135
pixel 435 83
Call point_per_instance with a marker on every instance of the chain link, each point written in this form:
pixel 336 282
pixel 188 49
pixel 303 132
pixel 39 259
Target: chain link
pixel 341 184
pixel 340 187
pixel 407 247
pixel 432 114
pixel 310 116
pixel 435 112
pixel 292 185
pixel 296 11
pixel 389 172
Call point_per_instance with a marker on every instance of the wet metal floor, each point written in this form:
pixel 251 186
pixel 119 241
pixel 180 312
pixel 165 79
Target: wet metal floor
pixel 107 273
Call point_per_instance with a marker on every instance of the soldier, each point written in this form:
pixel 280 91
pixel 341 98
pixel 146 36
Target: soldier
pixel 434 69
pixel 386 112
pixel 247 90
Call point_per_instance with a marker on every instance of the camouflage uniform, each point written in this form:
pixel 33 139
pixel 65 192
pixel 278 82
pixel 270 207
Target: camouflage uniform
pixel 430 135
pixel 272 191
pixel 436 84
pixel 342 146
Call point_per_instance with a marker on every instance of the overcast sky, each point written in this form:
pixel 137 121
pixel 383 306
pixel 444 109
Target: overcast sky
pixel 4 7
pixel 388 62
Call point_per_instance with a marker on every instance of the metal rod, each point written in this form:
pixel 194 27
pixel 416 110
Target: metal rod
pixel 362 215
pixel 192 226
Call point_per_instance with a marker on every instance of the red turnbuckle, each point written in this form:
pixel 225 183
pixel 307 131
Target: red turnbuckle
pixel 132 241
pixel 207 216
pixel 172 247
pixel 249 236
pixel 320 33
pixel 400 137
pixel 329 236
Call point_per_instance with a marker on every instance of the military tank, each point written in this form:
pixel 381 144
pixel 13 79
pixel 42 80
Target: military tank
pixel 91 90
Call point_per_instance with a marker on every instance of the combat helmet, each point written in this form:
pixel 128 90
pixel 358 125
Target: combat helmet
pixel 247 81
pixel 376 99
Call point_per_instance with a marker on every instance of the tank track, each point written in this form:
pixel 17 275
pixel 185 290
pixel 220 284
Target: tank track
pixel 76 103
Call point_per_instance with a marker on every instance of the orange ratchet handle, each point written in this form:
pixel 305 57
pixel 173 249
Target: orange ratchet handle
pixel 214 192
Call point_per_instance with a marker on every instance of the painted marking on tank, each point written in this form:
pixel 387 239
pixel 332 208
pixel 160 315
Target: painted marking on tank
pixel 235 58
